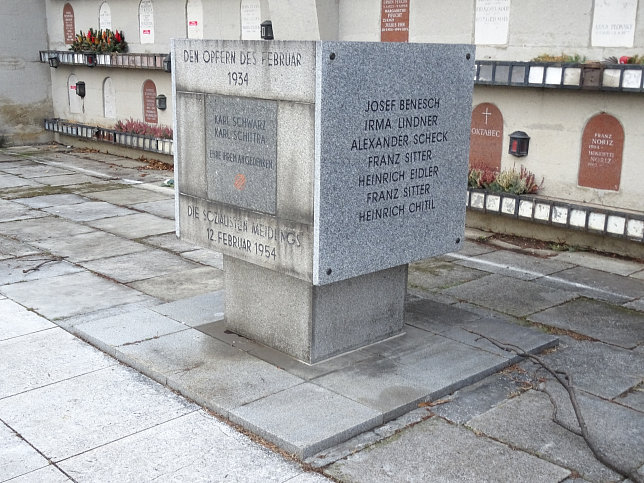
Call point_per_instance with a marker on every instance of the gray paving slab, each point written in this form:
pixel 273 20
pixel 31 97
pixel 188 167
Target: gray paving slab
pixel 208 371
pixel 137 225
pixel 638 275
pixel 88 211
pixel 163 208
pixel 11 211
pixel 47 201
pixel 129 327
pixel 435 316
pixel 516 265
pixel 194 311
pixel 72 294
pixel 636 305
pixel 598 368
pixel 89 246
pixel 11 248
pixel 596 284
pixel 11 181
pixel 169 242
pixel 37 170
pixel 180 285
pixel 17 457
pixel 377 383
pixel 437 451
pixel 42 358
pixel 206 257
pixel 430 275
pixel 50 474
pixel 194 447
pixel 69 323
pixel 67 179
pixel 599 320
pixel 60 419
pixel 297 419
pixel 42 228
pixel 15 320
pixel 34 267
pixel 525 422
pixel 139 266
pixel 509 295
pixel 127 196
pixel 472 247
pixel 600 262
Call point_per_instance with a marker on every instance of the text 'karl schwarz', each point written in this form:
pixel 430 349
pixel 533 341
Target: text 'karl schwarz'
pixel 243 59
pixel 233 233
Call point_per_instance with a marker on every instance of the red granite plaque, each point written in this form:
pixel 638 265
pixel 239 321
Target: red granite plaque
pixel 602 144
pixel 150 102
pixel 69 26
pixel 486 136
pixel 394 21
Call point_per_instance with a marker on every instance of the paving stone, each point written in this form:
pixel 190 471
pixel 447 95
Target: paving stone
pixel 47 201
pixel 478 398
pixel 37 170
pixel 206 257
pixel 434 316
pixel 471 248
pixel 67 180
pixel 306 418
pixel 43 358
pixel 72 294
pixel 509 295
pixel 60 419
pixel 636 305
pixel 50 474
pixel 516 265
pixel 163 208
pixel 639 275
pixel 432 275
pixel 599 320
pixel 194 311
pixel 69 323
pixel 34 267
pixel 11 248
pixel 133 226
pixel 139 265
pixel 437 451
pixel 600 262
pixel 15 320
pixel 377 383
pixel 89 211
pixel 169 242
pixel 129 327
pixel 181 285
pixel 90 246
pixel 600 369
pixel 208 371
pixel 633 399
pixel 127 196
pixel 194 447
pixel 596 284
pixel 42 228
pixel 525 422
pixel 16 456
pixel 11 181
pixel 11 211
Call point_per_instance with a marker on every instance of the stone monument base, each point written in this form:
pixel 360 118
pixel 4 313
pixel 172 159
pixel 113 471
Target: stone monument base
pixel 312 322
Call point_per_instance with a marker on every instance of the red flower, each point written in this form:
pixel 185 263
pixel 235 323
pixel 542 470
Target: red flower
pixel 624 59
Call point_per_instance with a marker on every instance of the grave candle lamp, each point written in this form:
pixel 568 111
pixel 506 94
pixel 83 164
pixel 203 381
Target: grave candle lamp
pixel 54 62
pixel 162 102
pixel 267 30
pixel 519 142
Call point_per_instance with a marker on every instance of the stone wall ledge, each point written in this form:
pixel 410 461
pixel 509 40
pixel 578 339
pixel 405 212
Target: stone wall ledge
pixel 563 214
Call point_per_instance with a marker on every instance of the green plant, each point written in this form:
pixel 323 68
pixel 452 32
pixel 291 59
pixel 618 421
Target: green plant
pixel 562 59
pixel 139 127
pixel 505 181
pixel 101 41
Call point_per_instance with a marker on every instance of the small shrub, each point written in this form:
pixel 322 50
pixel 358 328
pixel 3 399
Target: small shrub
pixel 144 129
pixel 506 181
pixel 101 41
pixel 561 59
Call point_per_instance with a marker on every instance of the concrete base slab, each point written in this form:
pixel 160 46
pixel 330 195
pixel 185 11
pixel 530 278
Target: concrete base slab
pixel 134 226
pixel 89 246
pixel 89 211
pixel 15 320
pixel 16 456
pixel 181 285
pixel 516 265
pixel 127 196
pixel 162 208
pixel 195 311
pixel 43 228
pixel 435 450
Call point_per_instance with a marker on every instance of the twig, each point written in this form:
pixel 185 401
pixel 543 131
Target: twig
pixel 566 381
pixel 37 267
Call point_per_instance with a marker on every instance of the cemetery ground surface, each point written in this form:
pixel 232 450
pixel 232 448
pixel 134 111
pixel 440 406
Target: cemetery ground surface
pixel 115 364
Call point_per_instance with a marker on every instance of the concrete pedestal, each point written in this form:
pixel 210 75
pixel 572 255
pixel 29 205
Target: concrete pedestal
pixel 313 322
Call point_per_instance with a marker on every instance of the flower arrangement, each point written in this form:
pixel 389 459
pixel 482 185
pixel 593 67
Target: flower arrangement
pixel 505 181
pixel 101 41
pixel 144 129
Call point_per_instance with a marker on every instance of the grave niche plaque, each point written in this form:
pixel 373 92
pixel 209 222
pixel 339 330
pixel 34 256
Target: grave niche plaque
pixel 69 25
pixel 394 21
pixel 150 113
pixel 486 137
pixel 323 180
pixel 602 144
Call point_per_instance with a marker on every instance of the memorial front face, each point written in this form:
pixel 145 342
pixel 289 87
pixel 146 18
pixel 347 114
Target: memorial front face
pixel 319 170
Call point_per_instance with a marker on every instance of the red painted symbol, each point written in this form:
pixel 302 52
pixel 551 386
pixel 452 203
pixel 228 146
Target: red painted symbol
pixel 240 181
pixel 192 23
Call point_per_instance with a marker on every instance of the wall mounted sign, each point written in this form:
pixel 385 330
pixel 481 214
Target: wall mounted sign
pixel 492 22
pixel 614 23
pixel 486 136
pixel 105 17
pixel 150 102
pixel 146 22
pixel 69 27
pixel 394 21
pixel 602 145
pixel 251 20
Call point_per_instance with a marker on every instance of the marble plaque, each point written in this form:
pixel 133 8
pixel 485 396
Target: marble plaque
pixel 391 154
pixel 492 22
pixel 150 113
pixel 602 144
pixel 69 26
pixel 146 22
pixel 394 21
pixel 194 19
pixel 486 137
pixel 105 17
pixel 241 151
pixel 614 23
